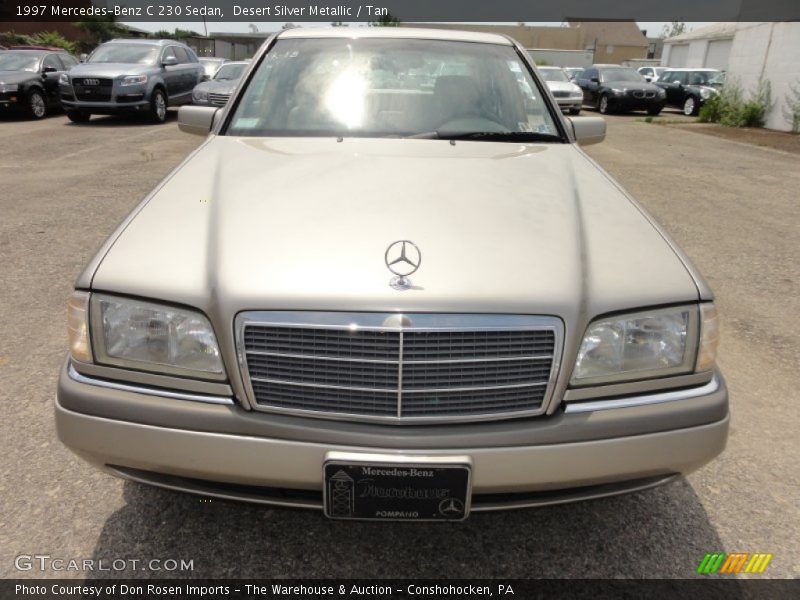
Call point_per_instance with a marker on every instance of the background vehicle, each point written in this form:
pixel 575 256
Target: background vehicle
pixel 689 89
pixel 568 95
pixel 573 72
pixel 651 74
pixel 217 91
pixel 611 88
pixel 29 79
pixel 211 64
pixel 130 77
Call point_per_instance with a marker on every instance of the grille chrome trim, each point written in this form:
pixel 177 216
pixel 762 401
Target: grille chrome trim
pixel 286 324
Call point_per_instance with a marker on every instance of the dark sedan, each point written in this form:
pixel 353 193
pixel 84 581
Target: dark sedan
pixel 689 89
pixel 29 80
pixel 611 88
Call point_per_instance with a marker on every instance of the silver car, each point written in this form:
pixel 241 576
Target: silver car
pixel 387 292
pixel 219 88
pixel 569 96
pixel 131 77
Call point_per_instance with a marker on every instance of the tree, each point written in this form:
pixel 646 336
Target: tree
pixel 99 30
pixel 55 39
pixel 386 20
pixel 673 29
pixel 791 111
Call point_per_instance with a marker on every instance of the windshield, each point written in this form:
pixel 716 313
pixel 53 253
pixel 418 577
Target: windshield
pixel 706 78
pixel 125 53
pixel 210 65
pixel 227 72
pixel 553 75
pixel 621 74
pixel 18 61
pixel 390 87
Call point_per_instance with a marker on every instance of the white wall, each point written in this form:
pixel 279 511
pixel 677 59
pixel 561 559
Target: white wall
pixel 771 51
pixel 696 54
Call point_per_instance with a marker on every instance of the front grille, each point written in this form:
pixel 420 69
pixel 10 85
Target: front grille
pixel 643 94
pixel 430 368
pixel 561 94
pixel 216 99
pixel 92 89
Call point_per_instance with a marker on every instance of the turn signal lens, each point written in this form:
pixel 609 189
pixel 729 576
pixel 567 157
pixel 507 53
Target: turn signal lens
pixel 80 347
pixel 709 337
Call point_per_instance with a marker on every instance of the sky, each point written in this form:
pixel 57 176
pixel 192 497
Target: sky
pixel 653 29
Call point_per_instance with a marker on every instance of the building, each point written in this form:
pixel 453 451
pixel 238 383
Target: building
pixel 768 52
pixel 608 41
pixel 708 47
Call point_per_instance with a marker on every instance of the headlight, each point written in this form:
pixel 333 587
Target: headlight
pixel 78 327
pixel 201 95
pixel 63 79
pixel 706 93
pixel 638 346
pixel 9 87
pixel 134 80
pixel 661 93
pixel 152 337
pixel 618 92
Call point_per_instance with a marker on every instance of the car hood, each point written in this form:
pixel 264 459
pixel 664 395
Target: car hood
pixel 109 69
pixel 17 76
pixel 563 86
pixel 218 87
pixel 304 224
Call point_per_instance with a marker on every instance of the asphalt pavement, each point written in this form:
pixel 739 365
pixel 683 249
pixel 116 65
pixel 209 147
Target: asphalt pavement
pixel 732 207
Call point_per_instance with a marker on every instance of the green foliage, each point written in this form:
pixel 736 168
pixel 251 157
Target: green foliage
pixel 99 30
pixel 731 108
pixel 43 38
pixel 673 29
pixel 386 21
pixel 178 34
pixel 791 112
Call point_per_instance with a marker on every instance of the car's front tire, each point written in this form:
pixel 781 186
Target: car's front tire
pixel 37 105
pixel 604 105
pixel 158 106
pixel 690 106
pixel 78 116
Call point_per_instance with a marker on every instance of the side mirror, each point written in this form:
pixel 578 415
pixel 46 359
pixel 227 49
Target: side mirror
pixel 169 61
pixel 595 80
pixel 82 58
pixel 49 70
pixel 196 119
pixel 588 130
pixel 648 79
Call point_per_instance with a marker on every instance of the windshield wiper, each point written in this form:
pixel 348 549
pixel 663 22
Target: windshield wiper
pixel 494 136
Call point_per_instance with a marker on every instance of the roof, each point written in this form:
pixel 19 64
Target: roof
pixel 143 42
pixel 395 32
pixel 30 50
pixel 710 32
pixel 616 33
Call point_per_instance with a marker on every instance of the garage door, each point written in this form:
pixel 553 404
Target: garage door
pixel 678 55
pixel 717 54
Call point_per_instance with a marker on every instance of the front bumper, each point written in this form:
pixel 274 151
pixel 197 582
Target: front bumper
pixel 569 103
pixel 278 470
pixel 628 102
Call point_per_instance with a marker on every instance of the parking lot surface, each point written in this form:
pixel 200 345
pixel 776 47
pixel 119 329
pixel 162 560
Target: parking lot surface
pixel 732 207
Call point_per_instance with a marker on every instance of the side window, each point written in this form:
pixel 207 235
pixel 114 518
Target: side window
pixel 168 51
pixel 648 72
pixel 180 53
pixel 680 77
pixel 589 73
pixel 666 77
pixel 192 55
pixel 68 61
pixel 51 60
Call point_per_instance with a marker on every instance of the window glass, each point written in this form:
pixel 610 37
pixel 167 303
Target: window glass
pixel 68 61
pixel 622 74
pixel 51 60
pixel 553 75
pixel 390 87
pixel 125 53
pixel 180 54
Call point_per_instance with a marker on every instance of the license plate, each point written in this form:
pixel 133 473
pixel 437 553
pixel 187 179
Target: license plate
pixel 377 487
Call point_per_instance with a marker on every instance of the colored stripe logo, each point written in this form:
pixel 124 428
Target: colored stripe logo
pixel 737 562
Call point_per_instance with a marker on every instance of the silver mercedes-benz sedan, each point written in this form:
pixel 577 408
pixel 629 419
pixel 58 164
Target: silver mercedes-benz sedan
pixel 389 284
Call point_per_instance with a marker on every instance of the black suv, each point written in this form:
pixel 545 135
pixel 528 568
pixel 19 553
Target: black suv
pixel 612 88
pixel 688 89
pixel 29 79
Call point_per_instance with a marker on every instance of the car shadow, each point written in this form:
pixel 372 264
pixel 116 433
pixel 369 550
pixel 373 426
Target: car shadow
pixel 662 532
pixel 122 120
